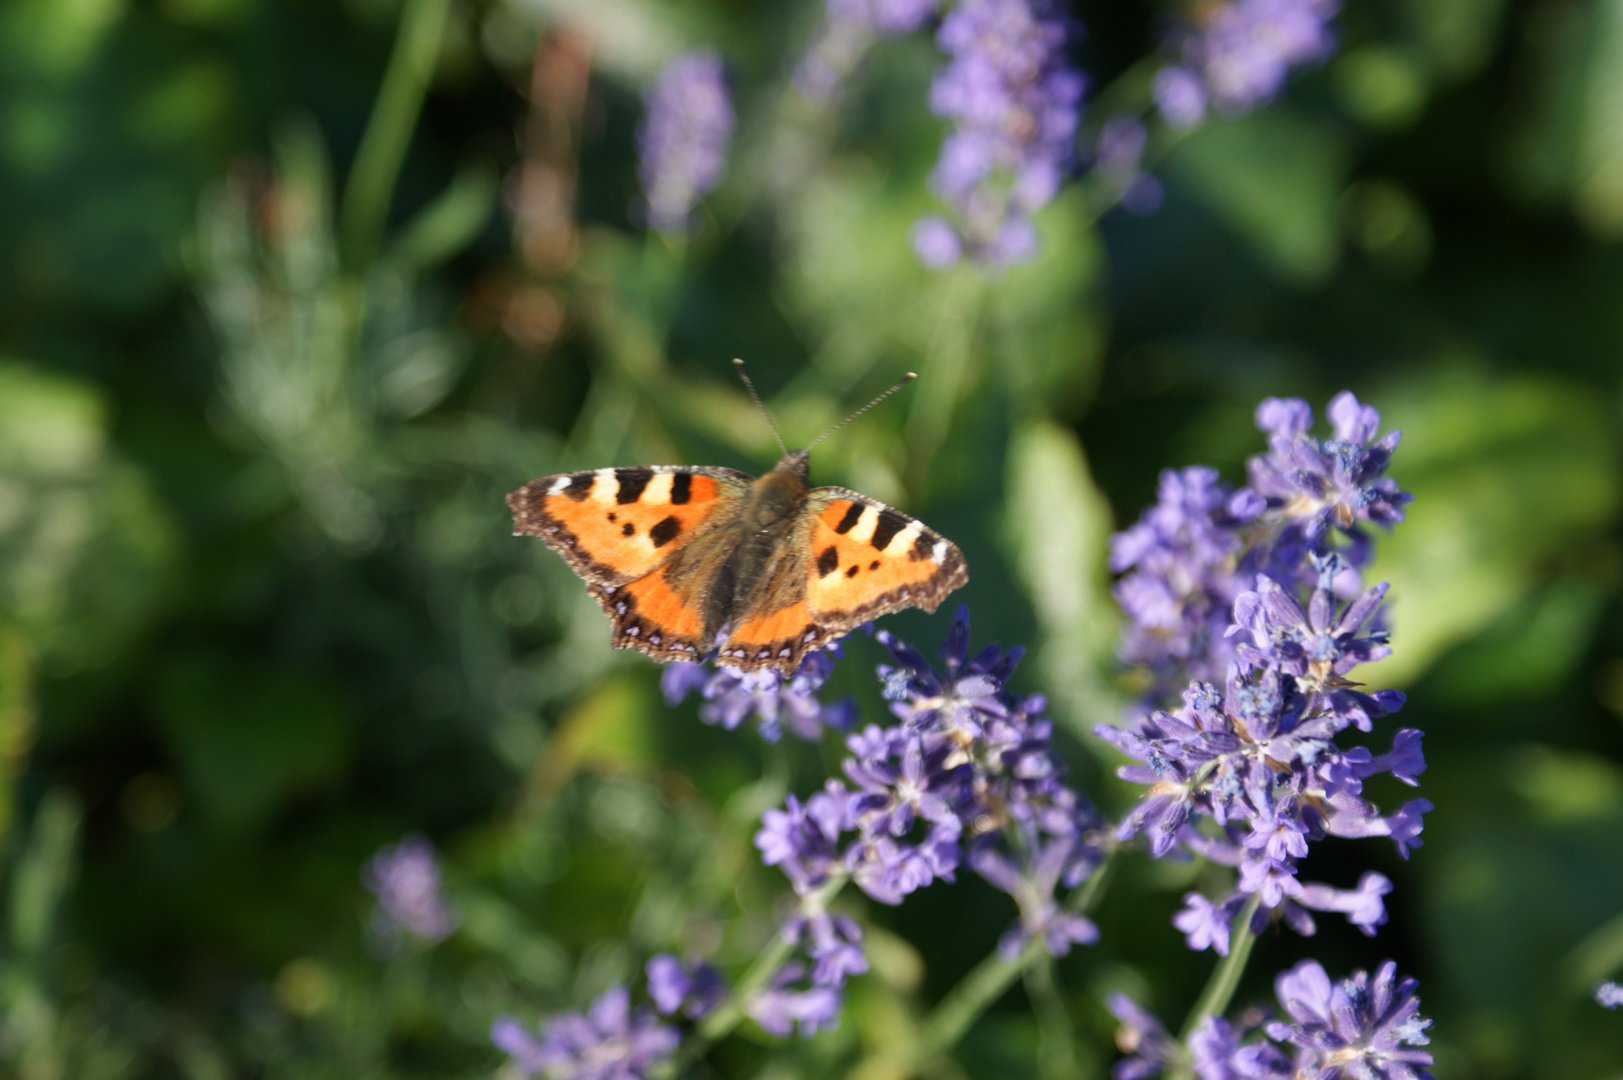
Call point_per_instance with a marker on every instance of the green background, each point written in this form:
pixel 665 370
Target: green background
pixel 261 611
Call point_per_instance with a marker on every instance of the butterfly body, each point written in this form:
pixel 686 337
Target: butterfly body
pixel 678 556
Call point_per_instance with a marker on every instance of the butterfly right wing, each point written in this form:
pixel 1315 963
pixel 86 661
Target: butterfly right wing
pixel 619 528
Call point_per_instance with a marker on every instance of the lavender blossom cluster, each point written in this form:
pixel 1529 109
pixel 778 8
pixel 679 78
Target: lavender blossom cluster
pixel 1240 54
pixel 1361 1028
pixel 1249 774
pixel 405 878
pixel 1014 103
pixel 682 143
pixel 851 29
pixel 775 700
pixel 968 778
pixel 611 1040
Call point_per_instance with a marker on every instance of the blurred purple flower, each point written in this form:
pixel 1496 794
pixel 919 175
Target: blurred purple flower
pixel 851 29
pixel 1118 159
pixel 1609 994
pixel 1014 104
pixel 783 1005
pixel 775 701
pixel 405 878
pixel 1240 54
pixel 1143 1039
pixel 683 140
pixel 695 988
pixel 608 1042
pixel 1361 1027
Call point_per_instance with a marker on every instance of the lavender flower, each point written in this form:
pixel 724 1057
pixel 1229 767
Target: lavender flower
pixel 1240 54
pixel 1181 574
pixel 1609 994
pixel 969 767
pixel 1118 159
pixel 694 988
pixel 851 29
pixel 733 696
pixel 787 1003
pixel 1250 776
pixel 1359 1029
pixel 683 140
pixel 1301 521
pixel 1143 1038
pixel 1014 104
pixel 609 1042
pixel 405 878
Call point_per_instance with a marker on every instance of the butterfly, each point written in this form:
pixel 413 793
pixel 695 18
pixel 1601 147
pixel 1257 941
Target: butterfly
pixel 681 556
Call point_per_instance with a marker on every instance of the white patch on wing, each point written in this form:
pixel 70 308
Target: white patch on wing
pixel 903 540
pixel 862 531
pixel 658 490
pixel 604 486
pixel 939 552
pixel 559 484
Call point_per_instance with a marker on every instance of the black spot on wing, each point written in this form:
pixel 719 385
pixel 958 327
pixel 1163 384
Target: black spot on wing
pixel 580 486
pixel 631 482
pixel 628 529
pixel 851 571
pixel 828 562
pixel 681 489
pixel 665 531
pixel 849 521
pixel 890 523
pixel 922 549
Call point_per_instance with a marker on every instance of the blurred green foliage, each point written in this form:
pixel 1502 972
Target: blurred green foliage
pixel 270 356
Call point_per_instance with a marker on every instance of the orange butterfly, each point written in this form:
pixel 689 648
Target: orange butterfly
pixel 678 555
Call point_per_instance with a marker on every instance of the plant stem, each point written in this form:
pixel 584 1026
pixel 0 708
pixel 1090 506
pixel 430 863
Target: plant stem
pixel 990 979
pixel 728 1016
pixel 389 129
pixel 1226 976
pixel 1056 1042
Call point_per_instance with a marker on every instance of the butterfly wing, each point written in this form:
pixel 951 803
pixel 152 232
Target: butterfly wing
pixel 621 529
pixel 857 559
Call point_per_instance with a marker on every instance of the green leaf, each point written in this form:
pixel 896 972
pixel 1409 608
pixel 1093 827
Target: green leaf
pixel 1275 179
pixel 1058 525
pixel 85 549
pixel 1508 474
pixel 248 739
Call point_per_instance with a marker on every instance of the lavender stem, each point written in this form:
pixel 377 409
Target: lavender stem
pixel 990 979
pixel 1225 977
pixel 730 1014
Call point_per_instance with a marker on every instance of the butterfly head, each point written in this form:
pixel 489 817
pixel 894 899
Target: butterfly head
pixel 796 462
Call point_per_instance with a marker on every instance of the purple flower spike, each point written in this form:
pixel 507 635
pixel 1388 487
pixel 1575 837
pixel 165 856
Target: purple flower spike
pixel 1014 105
pixel 694 988
pixel 1143 1038
pixel 609 1042
pixel 733 696
pixel 1361 1027
pixel 781 1007
pixel 682 143
pixel 1240 55
pixel 1609 995
pixel 851 30
pixel 406 880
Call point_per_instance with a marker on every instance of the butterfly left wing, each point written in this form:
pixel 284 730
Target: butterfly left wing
pixel 644 539
pixel 860 559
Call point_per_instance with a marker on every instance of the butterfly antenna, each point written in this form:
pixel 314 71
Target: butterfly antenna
pixel 903 381
pixel 742 374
